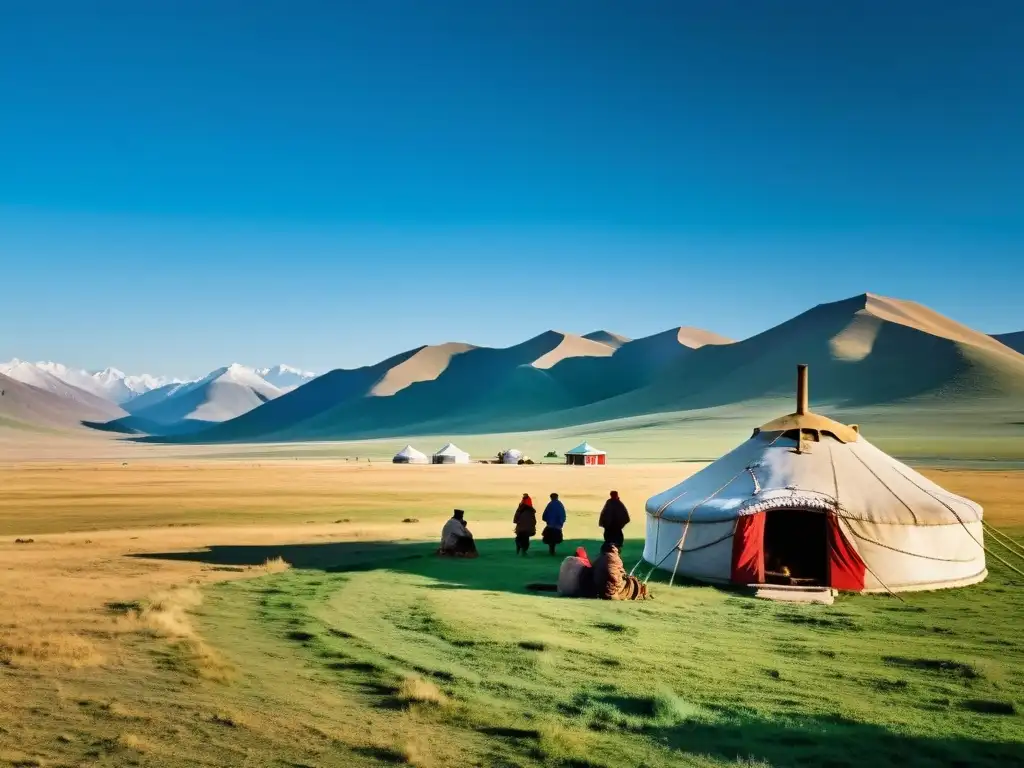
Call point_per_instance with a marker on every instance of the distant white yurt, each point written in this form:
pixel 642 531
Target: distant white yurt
pixel 451 454
pixel 410 455
pixel 511 456
pixel 808 501
pixel 586 455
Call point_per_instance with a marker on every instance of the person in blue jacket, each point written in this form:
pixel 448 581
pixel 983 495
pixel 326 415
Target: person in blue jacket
pixel 554 521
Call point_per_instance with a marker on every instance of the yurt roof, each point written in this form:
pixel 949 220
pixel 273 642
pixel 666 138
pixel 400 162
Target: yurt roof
pixel 585 449
pixel 513 451
pixel 450 449
pixel 835 470
pixel 411 453
pixel 856 480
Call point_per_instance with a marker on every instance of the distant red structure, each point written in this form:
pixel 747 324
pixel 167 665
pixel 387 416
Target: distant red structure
pixel 586 455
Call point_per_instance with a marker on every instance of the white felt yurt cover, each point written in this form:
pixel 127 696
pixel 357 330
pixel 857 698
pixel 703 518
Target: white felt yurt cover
pixel 451 453
pixel 410 455
pixel 889 527
pixel 511 456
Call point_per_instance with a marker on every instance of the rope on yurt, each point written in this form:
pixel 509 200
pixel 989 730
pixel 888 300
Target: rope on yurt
pixel 686 528
pixel 963 524
pixel 657 535
pixel 839 519
pixel 886 486
pixel 657 516
pixel 682 539
pixel 872 572
pixel 897 549
pixel 1001 560
pixel 675 568
pixel 695 549
pixel 1003 539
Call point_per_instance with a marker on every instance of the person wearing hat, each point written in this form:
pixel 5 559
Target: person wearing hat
pixel 456 540
pixel 614 517
pixel 525 521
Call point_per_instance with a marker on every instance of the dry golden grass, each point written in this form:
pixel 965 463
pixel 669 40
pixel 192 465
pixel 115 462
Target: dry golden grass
pixel 134 742
pixel 276 565
pixel 416 690
pixel 25 647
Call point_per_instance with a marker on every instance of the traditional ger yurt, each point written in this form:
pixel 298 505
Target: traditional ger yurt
pixel 585 455
pixel 511 456
pixel 450 454
pixel 808 501
pixel 410 455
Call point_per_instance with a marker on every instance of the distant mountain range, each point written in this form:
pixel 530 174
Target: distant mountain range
pixel 143 404
pixel 863 351
pixel 110 383
pixel 866 350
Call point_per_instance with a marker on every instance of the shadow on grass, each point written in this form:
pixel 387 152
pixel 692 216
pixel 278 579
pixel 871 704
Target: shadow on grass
pixel 829 741
pixel 497 568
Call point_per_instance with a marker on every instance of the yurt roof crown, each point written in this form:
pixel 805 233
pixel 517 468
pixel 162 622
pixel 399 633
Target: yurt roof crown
pixel 806 422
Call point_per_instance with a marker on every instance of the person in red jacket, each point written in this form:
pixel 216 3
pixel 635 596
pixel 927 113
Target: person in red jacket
pixel 525 521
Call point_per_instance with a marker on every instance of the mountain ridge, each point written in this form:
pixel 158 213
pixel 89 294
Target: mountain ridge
pixel 865 350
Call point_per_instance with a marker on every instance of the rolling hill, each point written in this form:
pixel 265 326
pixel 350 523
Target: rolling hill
pixel 338 387
pixel 1014 340
pixel 613 340
pixel 23 405
pixel 424 384
pixel 459 383
pixel 865 352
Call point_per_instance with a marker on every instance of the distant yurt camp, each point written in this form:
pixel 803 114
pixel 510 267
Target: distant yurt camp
pixel 410 455
pixel 511 456
pixel 450 454
pixel 807 501
pixel 586 455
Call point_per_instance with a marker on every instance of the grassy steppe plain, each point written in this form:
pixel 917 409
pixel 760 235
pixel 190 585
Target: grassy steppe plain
pixel 149 622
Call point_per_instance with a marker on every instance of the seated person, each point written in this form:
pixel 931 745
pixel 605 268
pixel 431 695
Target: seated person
pixel 456 540
pixel 611 582
pixel 575 577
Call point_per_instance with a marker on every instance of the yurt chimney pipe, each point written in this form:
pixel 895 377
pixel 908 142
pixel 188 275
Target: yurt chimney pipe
pixel 801 390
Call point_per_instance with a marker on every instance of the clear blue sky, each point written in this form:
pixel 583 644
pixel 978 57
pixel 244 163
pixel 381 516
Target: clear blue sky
pixel 185 184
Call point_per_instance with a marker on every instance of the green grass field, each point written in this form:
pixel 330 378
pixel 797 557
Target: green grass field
pixel 455 663
pixel 121 645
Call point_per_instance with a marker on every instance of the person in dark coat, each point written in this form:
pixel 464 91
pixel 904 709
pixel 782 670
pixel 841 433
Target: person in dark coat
pixel 611 582
pixel 554 522
pixel 456 540
pixel 614 517
pixel 525 521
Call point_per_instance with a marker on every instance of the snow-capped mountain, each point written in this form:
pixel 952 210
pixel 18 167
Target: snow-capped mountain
pixel 110 383
pixel 122 387
pixel 35 376
pixel 220 395
pixel 285 377
pixel 39 379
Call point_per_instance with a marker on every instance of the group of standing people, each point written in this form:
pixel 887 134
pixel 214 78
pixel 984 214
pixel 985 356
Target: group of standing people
pixel 614 518
pixel 605 578
pixel 456 540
